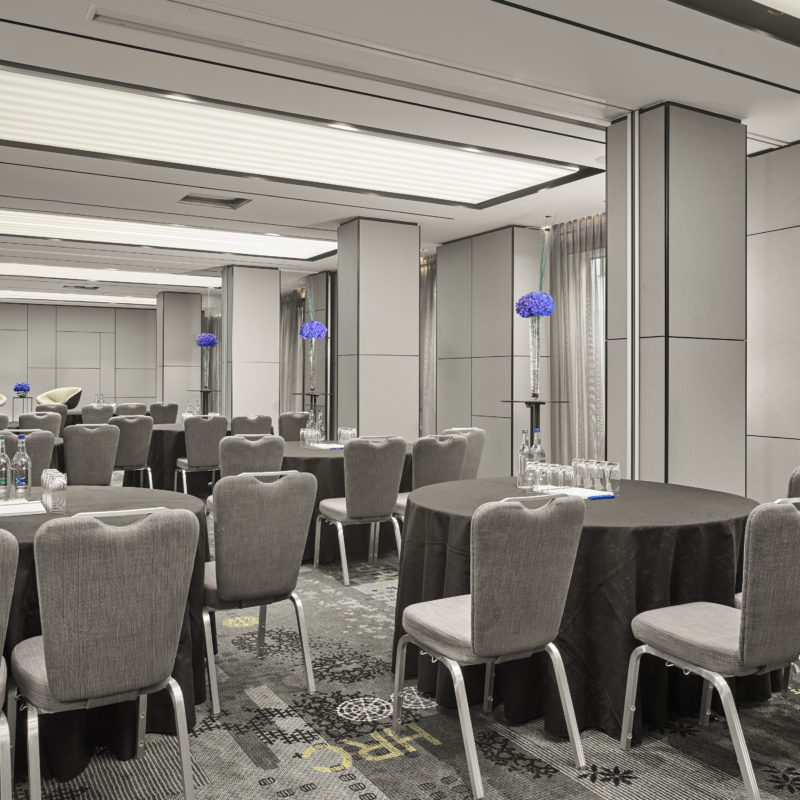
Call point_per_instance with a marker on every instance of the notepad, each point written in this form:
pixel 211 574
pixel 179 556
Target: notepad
pixel 15 508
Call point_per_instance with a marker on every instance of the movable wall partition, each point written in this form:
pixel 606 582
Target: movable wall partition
pixel 179 320
pixel 320 301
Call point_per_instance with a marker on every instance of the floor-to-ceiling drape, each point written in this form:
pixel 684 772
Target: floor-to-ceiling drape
pixel 291 351
pixel 577 283
pixel 427 345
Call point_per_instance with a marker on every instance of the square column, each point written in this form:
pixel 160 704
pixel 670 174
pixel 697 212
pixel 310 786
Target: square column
pixel 178 321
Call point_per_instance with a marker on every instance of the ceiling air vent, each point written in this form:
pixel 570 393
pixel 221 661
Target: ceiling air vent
pixel 85 286
pixel 231 203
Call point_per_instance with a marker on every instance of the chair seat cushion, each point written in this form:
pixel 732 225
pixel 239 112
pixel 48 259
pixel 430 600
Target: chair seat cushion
pixel 400 505
pixel 703 634
pixel 444 626
pixel 211 598
pixel 183 463
pixel 335 508
pixel 30 673
pixel 737 600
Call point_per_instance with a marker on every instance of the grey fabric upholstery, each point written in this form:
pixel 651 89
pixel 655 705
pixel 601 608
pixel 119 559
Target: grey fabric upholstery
pixel 96 414
pixel 334 508
pixel 57 408
pixel 437 460
pixel 260 423
pixel 133 447
pixel 43 420
pixel 260 531
pixel 794 483
pixel 445 625
pixel 290 423
pixel 89 454
pixel 372 474
pixel 400 505
pixel 476 438
pixel 9 555
pixel 3 421
pixel 112 603
pixel 203 435
pixel 131 409
pixel 164 413
pixel 237 455
pixel 67 395
pixel 39 446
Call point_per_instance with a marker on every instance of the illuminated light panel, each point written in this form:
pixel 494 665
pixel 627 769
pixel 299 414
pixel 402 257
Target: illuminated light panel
pixel 148 234
pixel 64 297
pixel 76 116
pixel 791 7
pixel 108 275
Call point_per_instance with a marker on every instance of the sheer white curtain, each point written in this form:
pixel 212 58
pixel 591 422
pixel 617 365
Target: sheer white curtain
pixel 577 281
pixel 291 351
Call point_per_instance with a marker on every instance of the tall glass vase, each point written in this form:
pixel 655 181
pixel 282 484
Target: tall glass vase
pixel 205 357
pixel 312 377
pixel 533 342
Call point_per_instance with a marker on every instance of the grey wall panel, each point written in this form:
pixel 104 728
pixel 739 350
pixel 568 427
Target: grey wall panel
pixel 492 303
pixel 496 458
pixel 347 392
pixel 617 230
pixel 108 365
pixel 652 420
pixel 617 401
pixel 14 366
pixel 84 318
pixel 255 315
pixel 88 379
pixel 491 384
pixel 454 299
pixel 177 382
pixel 347 289
pixel 707 170
pixel 41 379
pixel 770 462
pixel 13 317
pixel 78 350
pixel 389 396
pixel 136 338
pixel 527 253
pixel 453 393
pixel 707 414
pixel 135 383
pixel 255 388
pixel 41 336
pixel 181 326
pixel 773 199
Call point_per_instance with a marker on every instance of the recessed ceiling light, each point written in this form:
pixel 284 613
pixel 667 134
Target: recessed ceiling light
pixel 148 234
pixel 182 98
pixel 472 150
pixel 83 117
pixel 64 297
pixel 116 276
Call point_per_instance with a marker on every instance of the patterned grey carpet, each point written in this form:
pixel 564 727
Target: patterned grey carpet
pixel 273 740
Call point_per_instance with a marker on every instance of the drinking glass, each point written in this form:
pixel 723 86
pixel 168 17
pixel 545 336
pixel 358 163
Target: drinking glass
pixel 569 474
pixel 579 466
pixel 303 437
pixel 614 477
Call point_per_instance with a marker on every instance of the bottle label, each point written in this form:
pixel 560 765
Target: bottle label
pixel 20 481
pixel 3 481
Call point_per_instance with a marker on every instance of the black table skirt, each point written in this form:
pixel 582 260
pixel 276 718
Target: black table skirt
pixel 653 546
pixel 67 740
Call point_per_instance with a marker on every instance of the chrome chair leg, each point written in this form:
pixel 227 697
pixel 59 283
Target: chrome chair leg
pixel 34 770
pixel 399 675
pixel 11 716
pixel 141 725
pixel 785 678
pixel 317 539
pixel 342 553
pixel 301 627
pixel 566 704
pixel 488 687
pixel 210 663
pixel 6 779
pixel 705 702
pixel 262 631
pixel 373 549
pixel 630 697
pixel 150 477
pixel 183 738
pixel 183 478
pixel 397 539
pixel 175 481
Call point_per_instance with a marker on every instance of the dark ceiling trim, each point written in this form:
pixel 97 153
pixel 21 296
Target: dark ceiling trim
pixel 686 107
pixel 654 48
pixel 774 149
pixel 583 172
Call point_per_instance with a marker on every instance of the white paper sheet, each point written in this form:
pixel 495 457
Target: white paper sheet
pixel 14 508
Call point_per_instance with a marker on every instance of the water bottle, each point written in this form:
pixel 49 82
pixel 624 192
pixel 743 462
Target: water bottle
pixel 311 422
pixel 522 461
pixel 188 412
pixel 537 451
pixel 320 425
pixel 197 407
pixel 102 399
pixel 21 470
pixel 5 471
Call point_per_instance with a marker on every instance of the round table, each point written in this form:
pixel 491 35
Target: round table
pixel 653 545
pixel 68 739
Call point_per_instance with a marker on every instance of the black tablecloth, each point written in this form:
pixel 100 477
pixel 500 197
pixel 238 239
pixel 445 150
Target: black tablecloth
pixel 652 546
pixel 68 739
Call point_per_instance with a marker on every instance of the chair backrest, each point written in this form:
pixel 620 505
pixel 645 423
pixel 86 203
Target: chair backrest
pixel 97 414
pixel 260 532
pixel 476 438
pixel 43 420
pixel 68 395
pixel 238 454
pixel 520 571
pixel 112 601
pixel 3 421
pixel 203 435
pixel 794 483
pixel 9 555
pixel 259 423
pixel 372 474
pixel 38 445
pixel 436 460
pixel 290 423
pixel 164 413
pixel 131 409
pixel 770 627
pixel 90 453
pixel 58 408
pixel 133 447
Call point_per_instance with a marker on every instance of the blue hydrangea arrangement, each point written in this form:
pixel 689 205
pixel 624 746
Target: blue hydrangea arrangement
pixel 313 329
pixel 535 304
pixel 22 387
pixel 206 340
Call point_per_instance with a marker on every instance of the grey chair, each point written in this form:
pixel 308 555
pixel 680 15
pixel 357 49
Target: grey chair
pixel 203 435
pixel 133 447
pixel 372 474
pixel 67 395
pixel 520 570
pixel 718 642
pixel 260 423
pixel 476 439
pixel 41 420
pixel 96 414
pixel 435 459
pixel 39 446
pixel 260 532
pixel 164 413
pixel 290 423
pixel 111 575
pixel 89 454
pixel 9 555
pixel 131 409
pixel 58 408
pixel 3 421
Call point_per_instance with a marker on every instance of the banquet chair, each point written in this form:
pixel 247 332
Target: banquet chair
pixel 133 447
pixel 476 438
pixel 260 423
pixel 717 642
pixel 41 420
pixel 260 532
pixel 164 413
pixel 3 399
pixel 434 459
pixel 290 423
pixel 89 454
pixel 203 435
pixel 38 444
pixel 136 572
pixel 9 554
pixel 372 474
pixel 96 414
pixel 58 408
pixel 520 571
pixel 3 421
pixel 66 395
pixel 131 409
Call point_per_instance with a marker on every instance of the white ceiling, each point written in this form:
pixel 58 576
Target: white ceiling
pixel 477 72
